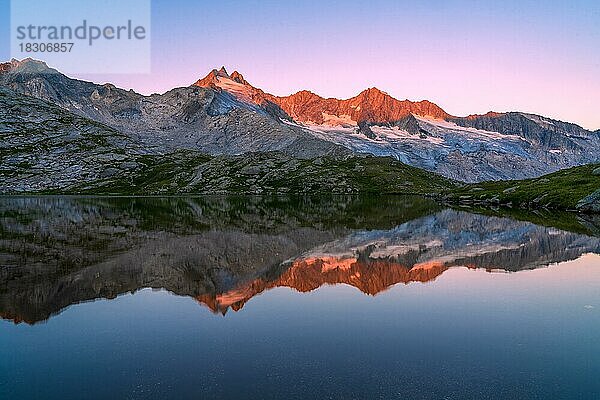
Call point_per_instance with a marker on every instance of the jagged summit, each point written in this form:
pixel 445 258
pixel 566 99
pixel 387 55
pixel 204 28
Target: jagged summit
pixel 373 91
pixel 239 78
pixel 215 76
pixel 5 67
pixel 223 72
pixel 236 85
pixel 489 114
pixel 372 105
pixel 212 78
pixel 26 65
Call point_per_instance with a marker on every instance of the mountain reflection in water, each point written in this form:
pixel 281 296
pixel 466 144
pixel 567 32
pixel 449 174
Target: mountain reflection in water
pixel 57 251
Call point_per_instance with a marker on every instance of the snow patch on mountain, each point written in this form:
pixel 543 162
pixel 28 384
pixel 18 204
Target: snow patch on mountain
pixel 439 139
pixel 341 120
pixel 239 90
pixel 475 133
pixel 544 122
pixel 394 133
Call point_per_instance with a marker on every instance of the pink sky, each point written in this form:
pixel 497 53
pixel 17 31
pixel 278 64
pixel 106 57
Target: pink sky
pixel 466 56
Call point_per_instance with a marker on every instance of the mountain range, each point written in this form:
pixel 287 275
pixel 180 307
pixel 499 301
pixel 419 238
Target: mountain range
pixel 112 132
pixel 474 148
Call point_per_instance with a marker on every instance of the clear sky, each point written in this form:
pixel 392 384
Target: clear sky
pixel 467 56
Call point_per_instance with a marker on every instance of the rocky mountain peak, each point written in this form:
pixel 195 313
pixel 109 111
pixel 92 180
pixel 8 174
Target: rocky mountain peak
pixel 306 95
pixel 27 65
pixel 372 94
pixel 212 78
pixel 222 72
pixel 409 124
pixel 373 91
pixel 239 78
pixel 5 67
pixel 489 114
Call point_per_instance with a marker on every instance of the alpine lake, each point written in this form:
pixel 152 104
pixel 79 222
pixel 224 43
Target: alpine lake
pixel 336 297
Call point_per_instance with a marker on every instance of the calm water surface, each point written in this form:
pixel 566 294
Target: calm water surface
pixel 345 297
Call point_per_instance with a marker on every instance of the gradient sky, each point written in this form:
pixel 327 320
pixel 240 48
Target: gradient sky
pixel 467 56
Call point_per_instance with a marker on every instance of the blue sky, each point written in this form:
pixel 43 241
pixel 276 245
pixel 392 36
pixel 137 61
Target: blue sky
pixel 467 56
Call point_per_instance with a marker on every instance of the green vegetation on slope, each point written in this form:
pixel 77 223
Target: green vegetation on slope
pixel 189 172
pixel 570 189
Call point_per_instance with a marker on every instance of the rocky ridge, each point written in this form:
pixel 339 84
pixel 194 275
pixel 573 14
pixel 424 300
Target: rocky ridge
pixel 223 114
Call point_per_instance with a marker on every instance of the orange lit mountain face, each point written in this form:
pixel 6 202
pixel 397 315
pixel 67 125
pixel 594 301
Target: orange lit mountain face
pixel 234 84
pixel 371 105
pixel 304 275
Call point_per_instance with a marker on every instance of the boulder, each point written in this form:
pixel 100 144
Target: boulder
pixel 591 203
